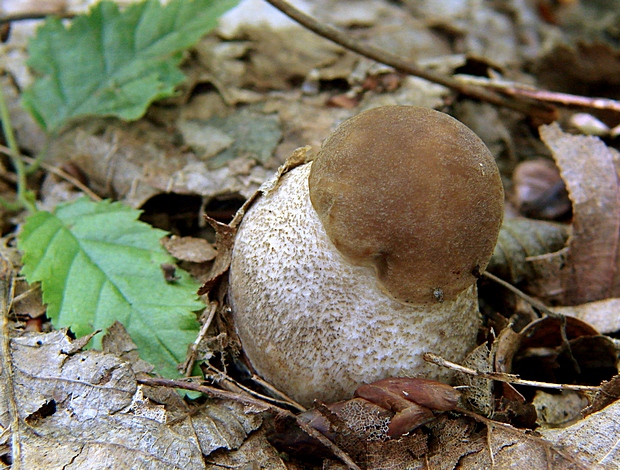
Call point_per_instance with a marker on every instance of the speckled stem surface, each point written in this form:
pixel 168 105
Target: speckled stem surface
pixel 314 325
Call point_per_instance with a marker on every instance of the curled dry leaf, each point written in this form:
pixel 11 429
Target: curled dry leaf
pixel 541 354
pixel 478 392
pixel 380 422
pixel 497 400
pixel 588 167
pixel 224 241
pixel 399 392
pixel 411 399
pixel 538 190
pixel 538 353
pixel 225 233
pixel 608 393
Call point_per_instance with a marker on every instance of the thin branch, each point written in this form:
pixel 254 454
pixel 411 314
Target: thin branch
pixel 508 378
pixel 228 383
pixel 540 111
pixel 520 90
pixel 530 300
pixel 250 401
pixel 284 398
pixel 564 98
pixel 34 16
pixel 56 171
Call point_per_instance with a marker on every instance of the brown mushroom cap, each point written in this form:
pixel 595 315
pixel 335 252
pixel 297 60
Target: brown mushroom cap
pixel 415 194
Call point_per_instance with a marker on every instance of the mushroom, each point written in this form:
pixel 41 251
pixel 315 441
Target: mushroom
pixel 356 264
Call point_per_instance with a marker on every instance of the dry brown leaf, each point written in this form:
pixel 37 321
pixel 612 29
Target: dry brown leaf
pixel 453 439
pixel 248 133
pixel 196 250
pixel 602 315
pixel 254 454
pixel 593 441
pixel 224 241
pixel 82 409
pixel 506 447
pixel 608 393
pixel 398 454
pixel 479 391
pixel 280 48
pixel 587 166
pixel 30 301
pixel 118 342
pixel 358 427
pixel 135 163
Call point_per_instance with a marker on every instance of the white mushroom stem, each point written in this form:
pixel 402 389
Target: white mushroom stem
pixel 316 326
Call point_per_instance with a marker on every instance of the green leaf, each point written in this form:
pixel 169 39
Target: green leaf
pixel 97 264
pixel 112 62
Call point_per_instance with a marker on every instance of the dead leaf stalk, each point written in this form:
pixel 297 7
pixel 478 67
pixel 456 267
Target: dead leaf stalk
pixel 502 377
pixel 7 285
pixel 231 384
pixel 251 401
pixel 285 398
pixel 28 16
pixel 56 171
pixel 539 111
pixel 193 349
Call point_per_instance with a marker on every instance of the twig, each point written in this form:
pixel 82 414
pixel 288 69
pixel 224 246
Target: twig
pixel 527 91
pixel 27 293
pixel 530 300
pixel 540 111
pixel 230 382
pixel 285 398
pixel 564 98
pixel 7 285
pixel 508 378
pixel 251 401
pixel 58 172
pixel 34 16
